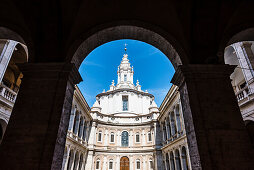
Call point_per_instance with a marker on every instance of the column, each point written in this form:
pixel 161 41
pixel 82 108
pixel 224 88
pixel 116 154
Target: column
pixel 92 138
pixel 143 137
pixel 105 162
pixel 131 138
pixel 118 162
pixel 5 56
pixel 131 162
pixel 118 138
pixel 105 140
pixel 40 117
pixel 157 137
pixel 144 160
pixel 89 160
pixel 181 116
pixel 216 134
pixel 158 160
pixel 188 156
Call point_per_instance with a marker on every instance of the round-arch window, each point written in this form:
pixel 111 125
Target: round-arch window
pixel 125 138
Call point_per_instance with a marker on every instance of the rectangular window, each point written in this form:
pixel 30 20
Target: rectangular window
pixel 137 138
pixel 149 137
pixel 99 137
pixel 110 165
pixel 151 164
pixel 125 77
pixel 112 137
pixel 97 164
pixel 138 164
pixel 125 103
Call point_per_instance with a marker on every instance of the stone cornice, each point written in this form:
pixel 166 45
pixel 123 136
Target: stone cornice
pixel 126 124
pixel 115 116
pixel 201 71
pixel 124 89
pixel 125 151
pixel 48 71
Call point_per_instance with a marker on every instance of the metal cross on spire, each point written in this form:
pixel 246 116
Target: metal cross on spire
pixel 125 49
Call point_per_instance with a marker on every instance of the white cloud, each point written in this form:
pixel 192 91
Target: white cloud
pixel 159 94
pixel 91 63
pixel 155 51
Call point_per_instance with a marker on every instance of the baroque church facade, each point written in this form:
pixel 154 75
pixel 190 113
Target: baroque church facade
pixel 127 130
pixel 124 126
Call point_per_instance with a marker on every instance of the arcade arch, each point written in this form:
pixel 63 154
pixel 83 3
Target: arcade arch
pixel 12 53
pixel 240 53
pixel 77 60
pixel 142 34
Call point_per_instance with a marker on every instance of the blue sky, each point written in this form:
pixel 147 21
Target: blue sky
pixel 151 67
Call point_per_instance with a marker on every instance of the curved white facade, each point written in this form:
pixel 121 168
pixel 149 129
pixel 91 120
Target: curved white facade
pixel 124 126
pixel 125 98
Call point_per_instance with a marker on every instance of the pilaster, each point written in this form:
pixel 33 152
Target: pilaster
pixel 118 162
pixel 89 162
pixel 38 126
pixel 216 134
pixel 5 56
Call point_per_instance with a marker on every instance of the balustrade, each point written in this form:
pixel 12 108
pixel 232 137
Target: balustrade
pixel 7 93
pixel 76 138
pixel 243 93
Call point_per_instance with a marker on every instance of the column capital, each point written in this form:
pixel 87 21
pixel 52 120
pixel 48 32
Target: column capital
pixel 52 71
pixel 201 71
pixel 246 44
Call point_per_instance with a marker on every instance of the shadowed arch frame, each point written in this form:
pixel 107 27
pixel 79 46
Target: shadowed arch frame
pixel 128 32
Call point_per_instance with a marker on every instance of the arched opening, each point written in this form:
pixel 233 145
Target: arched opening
pixel 151 166
pixel 84 131
pixel 12 54
pixel 70 160
pixel 97 165
pixel 124 163
pixel 111 164
pixel 76 160
pixel 76 125
pixel 240 53
pixel 127 138
pixel 172 162
pixel 167 162
pixel 177 159
pixel 81 161
pixel 81 126
pixel 184 159
pixel 129 32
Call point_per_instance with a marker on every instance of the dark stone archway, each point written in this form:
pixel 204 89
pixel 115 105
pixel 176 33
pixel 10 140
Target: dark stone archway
pixel 129 32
